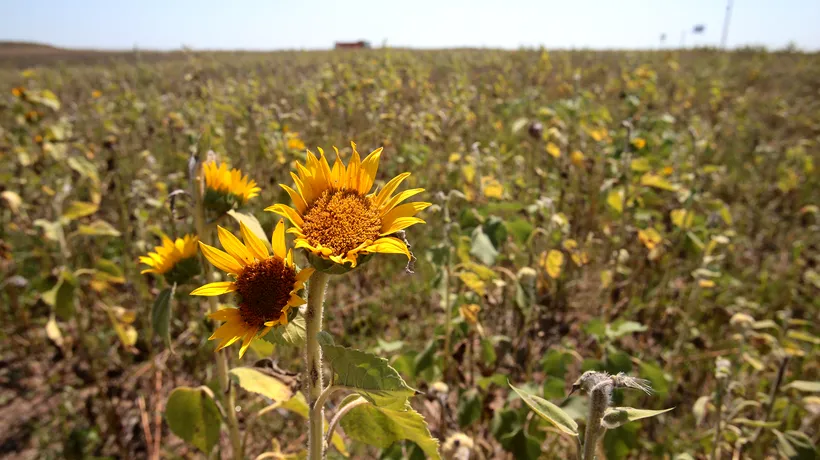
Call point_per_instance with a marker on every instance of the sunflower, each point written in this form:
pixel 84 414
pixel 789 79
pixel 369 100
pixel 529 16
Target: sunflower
pixel 175 259
pixel 336 217
pixel 267 285
pixel 224 188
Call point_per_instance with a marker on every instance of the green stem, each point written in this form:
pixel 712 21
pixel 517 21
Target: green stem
pixel 598 403
pixel 226 390
pixel 313 361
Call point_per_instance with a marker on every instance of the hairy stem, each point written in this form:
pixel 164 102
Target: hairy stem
pixel 313 360
pixel 598 403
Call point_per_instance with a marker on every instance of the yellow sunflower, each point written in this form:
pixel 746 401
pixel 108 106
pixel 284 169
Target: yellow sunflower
pixel 225 188
pixel 175 259
pixel 267 285
pixel 337 218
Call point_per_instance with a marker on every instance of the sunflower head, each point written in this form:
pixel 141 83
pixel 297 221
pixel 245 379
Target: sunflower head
pixel 175 259
pixel 267 285
pixel 226 189
pixel 337 219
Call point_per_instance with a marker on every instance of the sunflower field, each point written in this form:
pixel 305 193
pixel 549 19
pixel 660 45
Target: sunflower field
pixel 389 254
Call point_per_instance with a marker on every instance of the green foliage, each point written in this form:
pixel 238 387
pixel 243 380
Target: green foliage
pixel 161 315
pixel 368 375
pixel 193 416
pixel 261 382
pixel 548 411
pixel 382 426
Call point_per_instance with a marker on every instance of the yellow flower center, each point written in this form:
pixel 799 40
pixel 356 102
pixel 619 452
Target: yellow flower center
pixel 341 220
pixel 264 290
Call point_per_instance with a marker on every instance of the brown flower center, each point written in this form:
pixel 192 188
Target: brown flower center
pixel 264 290
pixel 341 220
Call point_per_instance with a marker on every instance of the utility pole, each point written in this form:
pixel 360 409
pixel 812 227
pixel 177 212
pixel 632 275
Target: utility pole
pixel 726 24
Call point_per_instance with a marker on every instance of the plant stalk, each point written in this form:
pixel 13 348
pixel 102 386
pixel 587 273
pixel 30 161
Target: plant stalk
pixel 313 360
pixel 598 403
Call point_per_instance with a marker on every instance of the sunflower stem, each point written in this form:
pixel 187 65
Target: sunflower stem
pixel 226 390
pixel 313 360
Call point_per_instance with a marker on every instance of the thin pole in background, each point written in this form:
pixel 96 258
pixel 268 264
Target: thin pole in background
pixel 726 24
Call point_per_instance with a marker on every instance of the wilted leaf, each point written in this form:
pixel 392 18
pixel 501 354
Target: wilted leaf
pixel 98 228
pixel 472 281
pixel 53 332
pixel 12 199
pixel 553 262
pixel 656 181
pixel 258 381
pixel 193 416
pixel 77 209
pixel 553 150
pixel 682 218
pixel 615 200
pixel 548 411
pixel 804 386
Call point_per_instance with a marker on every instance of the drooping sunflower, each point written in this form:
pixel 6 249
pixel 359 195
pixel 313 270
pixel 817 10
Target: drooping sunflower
pixel 225 188
pixel 336 218
pixel 175 259
pixel 267 285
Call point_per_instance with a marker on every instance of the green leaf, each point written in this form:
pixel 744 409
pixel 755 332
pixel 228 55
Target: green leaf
pixel 754 423
pixel 549 411
pixel 469 408
pixel 804 386
pixel 803 337
pixel 368 375
pixel 621 328
pixel 293 334
pixel 98 228
pixel 498 379
pixel 61 296
pixel 77 209
pixel 381 427
pixel 253 225
pixel 258 381
pixel 426 358
pixel 161 315
pixel 656 181
pixel 617 416
pixel 481 247
pixel 193 416
pixel 51 230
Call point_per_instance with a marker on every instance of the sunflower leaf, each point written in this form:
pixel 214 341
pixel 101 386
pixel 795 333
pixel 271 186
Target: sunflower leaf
pixel 161 315
pixel 293 334
pixel 548 411
pixel 617 416
pixel 381 427
pixel 368 375
pixel 193 416
pixel 260 382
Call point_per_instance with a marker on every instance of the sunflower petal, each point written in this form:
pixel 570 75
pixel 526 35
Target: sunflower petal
pixel 404 210
pixel 400 224
pixel 247 339
pixel 298 201
pixel 233 246
pixel 303 276
pixel 354 169
pixel 388 245
pixel 217 288
pixel 368 173
pixel 220 259
pixel 389 188
pixel 396 199
pixel 286 211
pixel 225 314
pixel 255 245
pixel 295 300
pixel 278 240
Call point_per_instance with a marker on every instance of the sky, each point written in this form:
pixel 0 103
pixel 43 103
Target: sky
pixel 304 24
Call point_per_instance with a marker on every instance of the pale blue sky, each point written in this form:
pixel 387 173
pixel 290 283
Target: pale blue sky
pixel 303 24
